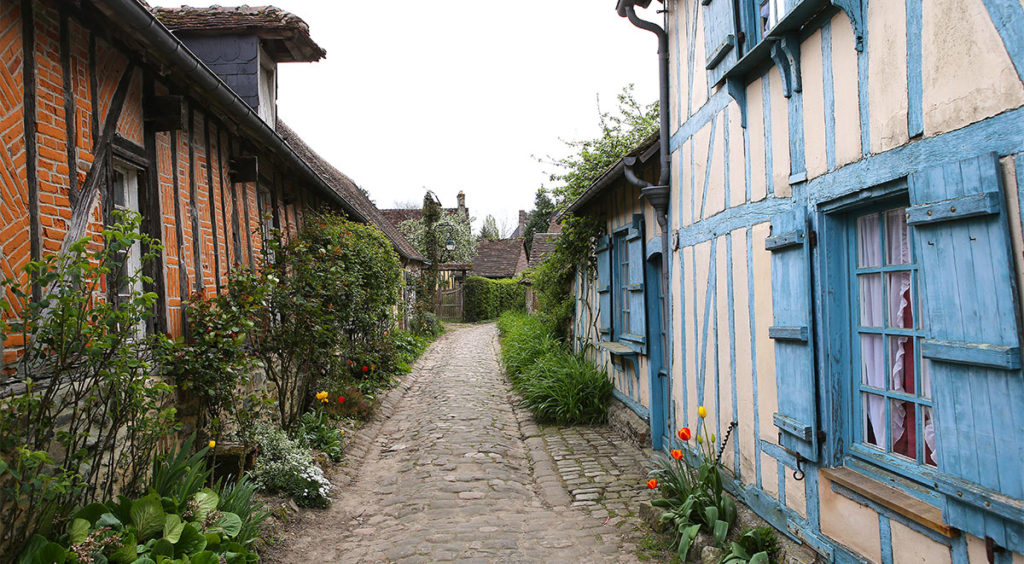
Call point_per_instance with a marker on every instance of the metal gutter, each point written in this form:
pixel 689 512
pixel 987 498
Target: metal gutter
pixel 147 30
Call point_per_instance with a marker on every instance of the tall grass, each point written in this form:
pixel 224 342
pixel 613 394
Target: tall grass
pixel 558 386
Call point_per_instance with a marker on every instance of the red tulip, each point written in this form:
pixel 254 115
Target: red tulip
pixel 676 453
pixel 365 369
pixel 341 399
pixel 652 483
pixel 684 434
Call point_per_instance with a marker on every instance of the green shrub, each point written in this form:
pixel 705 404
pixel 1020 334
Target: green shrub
pixel 484 298
pixel 524 340
pixel 408 347
pixel 566 389
pixel 427 325
pixel 285 466
pixel 318 432
pixel 755 546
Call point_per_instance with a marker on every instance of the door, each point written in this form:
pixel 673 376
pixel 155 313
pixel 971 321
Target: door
pixel 660 383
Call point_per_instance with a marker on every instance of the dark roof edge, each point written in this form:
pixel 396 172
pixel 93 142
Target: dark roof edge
pixel 147 29
pixel 645 150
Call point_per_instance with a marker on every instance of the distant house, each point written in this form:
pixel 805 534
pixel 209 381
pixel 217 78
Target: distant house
pixel 499 258
pixel 544 243
pixel 396 216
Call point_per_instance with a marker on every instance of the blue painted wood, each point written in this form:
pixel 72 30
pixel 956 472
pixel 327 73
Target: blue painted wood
pixel 737 89
pixel 708 167
pixel 972 354
pixel 659 382
pixel 691 53
pixel 969 296
pixel 720 35
pixel 737 217
pixel 1008 508
pixel 798 177
pixel 959 551
pixel 753 354
pixel 794 360
pixel 788 333
pixel 641 411
pixel 781 241
pixel 865 129
pixel 715 104
pixel 915 87
pixel 885 538
pixel 892 515
pixel 797 159
pixel 1000 134
pixel 635 288
pixel 604 288
pixel 731 294
pixel 961 207
pixel 709 293
pixel 727 155
pixel 782 63
pixel 1008 17
pixel 1019 165
pixel 790 44
pixel 830 95
pixel 855 11
pixel 766 112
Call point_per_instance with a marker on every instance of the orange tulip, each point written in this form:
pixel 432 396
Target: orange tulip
pixel 684 434
pixel 676 453
pixel 652 483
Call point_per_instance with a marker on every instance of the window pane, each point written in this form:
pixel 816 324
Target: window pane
pixel 119 199
pixel 870 300
pixel 897 236
pixel 900 308
pixel 874 420
pixel 904 428
pixel 929 437
pixel 869 241
pixel 873 369
pixel 926 379
pixel 901 364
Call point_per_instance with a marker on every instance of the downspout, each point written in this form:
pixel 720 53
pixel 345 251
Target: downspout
pixel 656 195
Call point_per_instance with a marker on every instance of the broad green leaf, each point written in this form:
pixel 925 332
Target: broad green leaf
pixel 172 528
pixel 127 553
pixel 108 520
pixel 190 542
pixel 721 531
pixel 148 517
pixel 92 512
pixel 688 534
pixel 163 547
pixel 79 530
pixel 144 560
pixel 51 553
pixel 231 523
pixel 206 501
pixel 759 558
pixel 205 557
pixel 661 503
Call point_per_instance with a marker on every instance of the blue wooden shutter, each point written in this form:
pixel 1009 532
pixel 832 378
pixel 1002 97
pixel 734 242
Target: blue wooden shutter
pixel 797 418
pixel 720 38
pixel 970 313
pixel 637 330
pixel 604 288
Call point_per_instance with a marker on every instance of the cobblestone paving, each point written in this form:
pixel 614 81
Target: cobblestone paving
pixel 455 472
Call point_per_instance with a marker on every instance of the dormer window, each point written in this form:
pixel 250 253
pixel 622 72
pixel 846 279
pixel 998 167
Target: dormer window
pixel 267 107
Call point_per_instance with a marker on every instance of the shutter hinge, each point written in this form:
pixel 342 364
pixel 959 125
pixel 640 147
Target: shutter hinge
pixel 812 238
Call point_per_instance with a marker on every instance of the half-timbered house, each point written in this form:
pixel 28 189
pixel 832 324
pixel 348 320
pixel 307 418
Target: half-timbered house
pixel 844 219
pixel 103 107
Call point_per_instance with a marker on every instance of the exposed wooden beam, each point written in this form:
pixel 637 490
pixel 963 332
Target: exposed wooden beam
pixel 193 206
pixel 28 45
pixel 211 203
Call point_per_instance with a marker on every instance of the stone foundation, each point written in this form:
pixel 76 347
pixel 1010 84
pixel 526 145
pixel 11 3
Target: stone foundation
pixel 628 424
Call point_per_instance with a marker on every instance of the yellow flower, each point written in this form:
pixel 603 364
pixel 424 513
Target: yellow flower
pixel 702 412
pixel 212 444
pixel 322 396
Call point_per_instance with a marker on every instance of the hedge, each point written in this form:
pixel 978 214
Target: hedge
pixel 484 298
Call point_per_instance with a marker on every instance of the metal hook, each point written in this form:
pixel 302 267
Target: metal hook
pixel 798 474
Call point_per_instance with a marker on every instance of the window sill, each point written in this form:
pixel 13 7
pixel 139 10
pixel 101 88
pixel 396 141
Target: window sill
pixel 617 348
pixel 925 514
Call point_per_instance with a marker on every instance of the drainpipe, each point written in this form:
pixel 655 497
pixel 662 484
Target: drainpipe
pixel 656 195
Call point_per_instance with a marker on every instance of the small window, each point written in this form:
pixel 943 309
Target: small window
pixel 891 389
pixel 125 196
pixel 620 286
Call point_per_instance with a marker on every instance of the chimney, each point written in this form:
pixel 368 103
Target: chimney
pixel 524 218
pixel 462 203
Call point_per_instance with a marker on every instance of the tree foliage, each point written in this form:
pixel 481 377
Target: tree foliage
pixel 490 230
pixel 540 217
pixel 423 239
pixel 621 132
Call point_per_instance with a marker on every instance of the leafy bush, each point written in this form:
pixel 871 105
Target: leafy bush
pixel 317 432
pixel 85 397
pixel 755 546
pixel 427 325
pixel 484 298
pixel 348 401
pixel 525 340
pixel 566 389
pixel 285 466
pixel 408 347
pixel 178 521
pixel 575 251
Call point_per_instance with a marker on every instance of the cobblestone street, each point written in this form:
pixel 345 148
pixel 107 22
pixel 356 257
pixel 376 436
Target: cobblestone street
pixel 451 470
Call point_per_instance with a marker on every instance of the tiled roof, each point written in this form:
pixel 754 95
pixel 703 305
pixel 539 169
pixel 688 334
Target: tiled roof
pixel 349 191
pixel 268 22
pixel 499 258
pixel 543 244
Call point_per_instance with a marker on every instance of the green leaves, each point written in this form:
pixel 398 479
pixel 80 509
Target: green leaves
pixel 205 502
pixel 173 526
pixel 148 517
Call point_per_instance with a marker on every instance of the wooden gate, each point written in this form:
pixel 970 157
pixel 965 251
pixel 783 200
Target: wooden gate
pixel 449 304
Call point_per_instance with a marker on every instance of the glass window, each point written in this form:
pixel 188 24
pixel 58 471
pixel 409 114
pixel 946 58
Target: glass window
pixel 892 395
pixel 620 286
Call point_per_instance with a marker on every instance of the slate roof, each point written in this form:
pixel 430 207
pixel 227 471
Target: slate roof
pixel 499 258
pixel 348 190
pixel 286 34
pixel 543 244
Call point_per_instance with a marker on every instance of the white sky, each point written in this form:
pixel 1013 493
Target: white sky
pixel 458 95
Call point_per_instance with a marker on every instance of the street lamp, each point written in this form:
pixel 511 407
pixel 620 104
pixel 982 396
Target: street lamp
pixel 447 232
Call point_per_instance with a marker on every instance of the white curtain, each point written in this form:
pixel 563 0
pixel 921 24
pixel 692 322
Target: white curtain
pixel 873 370
pixel 898 242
